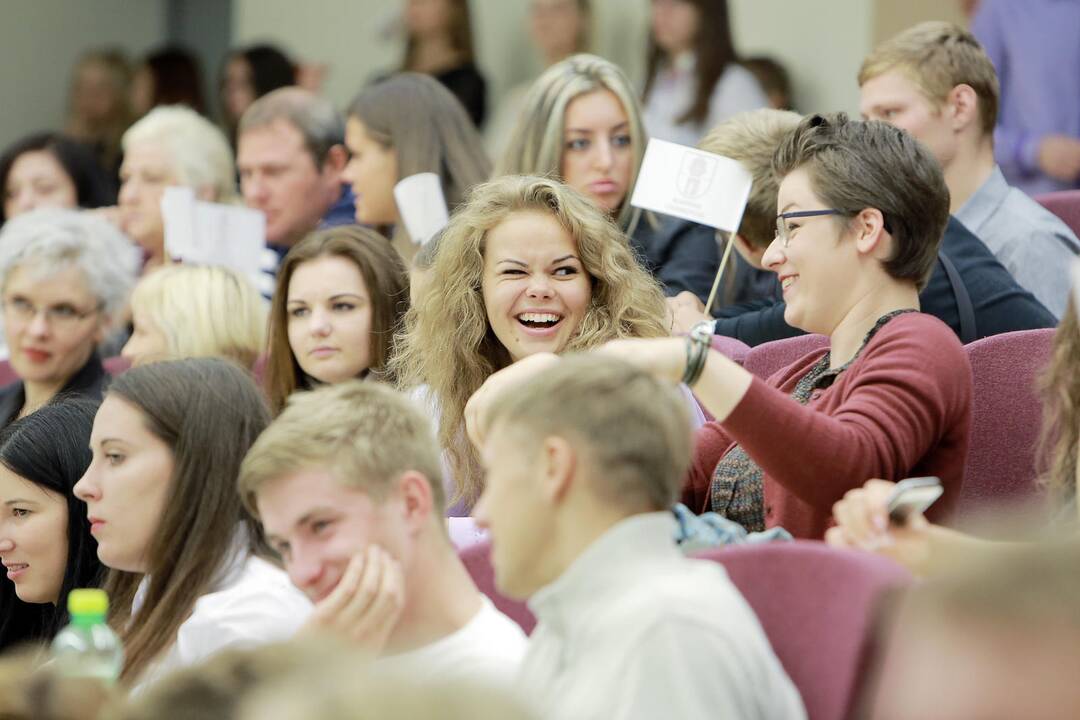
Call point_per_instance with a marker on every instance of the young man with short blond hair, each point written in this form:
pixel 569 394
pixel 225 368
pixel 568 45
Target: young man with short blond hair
pixel 935 81
pixel 583 462
pixel 347 485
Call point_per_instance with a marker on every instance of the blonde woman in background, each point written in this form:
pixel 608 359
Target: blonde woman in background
pixel 582 124
pixel 526 266
pixel 195 311
pixel 171 146
pixel 558 29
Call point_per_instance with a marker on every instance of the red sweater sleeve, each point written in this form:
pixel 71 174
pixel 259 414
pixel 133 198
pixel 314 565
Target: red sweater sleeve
pixel 881 416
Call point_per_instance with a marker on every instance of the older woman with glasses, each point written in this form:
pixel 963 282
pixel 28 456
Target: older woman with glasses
pixel 64 275
pixel 862 211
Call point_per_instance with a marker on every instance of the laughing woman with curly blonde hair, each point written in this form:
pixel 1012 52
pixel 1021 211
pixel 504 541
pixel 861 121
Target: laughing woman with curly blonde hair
pixel 526 266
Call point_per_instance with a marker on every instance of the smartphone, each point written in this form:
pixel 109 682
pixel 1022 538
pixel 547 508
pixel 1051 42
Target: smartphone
pixel 913 495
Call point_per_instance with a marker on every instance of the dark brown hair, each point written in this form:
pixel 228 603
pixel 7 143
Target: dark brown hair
pixel 387 281
pixel 461 36
pixel 714 50
pixel 857 164
pixel 208 411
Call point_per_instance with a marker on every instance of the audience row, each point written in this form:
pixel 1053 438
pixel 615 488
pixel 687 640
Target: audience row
pixel 523 367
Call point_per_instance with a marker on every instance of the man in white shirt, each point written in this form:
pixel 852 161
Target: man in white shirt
pixel 583 460
pixel 347 485
pixel 935 81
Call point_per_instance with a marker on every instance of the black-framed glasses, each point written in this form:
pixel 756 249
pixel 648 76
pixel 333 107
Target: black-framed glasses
pixel 781 221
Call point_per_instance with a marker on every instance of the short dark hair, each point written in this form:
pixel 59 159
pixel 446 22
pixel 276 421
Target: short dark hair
pixel 93 188
pixel 177 78
pixel 858 164
pixel 51 448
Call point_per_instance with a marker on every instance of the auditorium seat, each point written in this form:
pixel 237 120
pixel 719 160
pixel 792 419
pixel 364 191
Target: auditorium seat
pixel 765 359
pixel 1006 418
pixel 477 560
pixel 1064 204
pixel 7 374
pixel 730 347
pixel 818 607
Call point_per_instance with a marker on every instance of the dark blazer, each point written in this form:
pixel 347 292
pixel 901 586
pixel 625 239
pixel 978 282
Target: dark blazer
pixel 1000 305
pixel 89 381
pixel 680 254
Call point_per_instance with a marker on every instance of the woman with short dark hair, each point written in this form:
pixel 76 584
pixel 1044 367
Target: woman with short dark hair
pixel 49 170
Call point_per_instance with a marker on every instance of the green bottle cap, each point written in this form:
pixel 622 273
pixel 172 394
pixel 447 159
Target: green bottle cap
pixel 88 602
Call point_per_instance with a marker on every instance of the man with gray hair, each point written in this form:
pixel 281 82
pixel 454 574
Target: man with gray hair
pixel 290 155
pixel 582 463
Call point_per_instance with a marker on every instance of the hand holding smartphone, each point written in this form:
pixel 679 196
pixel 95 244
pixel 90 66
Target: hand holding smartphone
pixel 912 496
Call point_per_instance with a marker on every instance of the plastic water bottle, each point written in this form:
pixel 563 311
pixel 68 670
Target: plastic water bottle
pixel 88 647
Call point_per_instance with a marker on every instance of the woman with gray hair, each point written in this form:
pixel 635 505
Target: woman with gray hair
pixel 171 145
pixel 64 277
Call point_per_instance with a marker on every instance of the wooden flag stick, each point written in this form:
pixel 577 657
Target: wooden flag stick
pixel 719 273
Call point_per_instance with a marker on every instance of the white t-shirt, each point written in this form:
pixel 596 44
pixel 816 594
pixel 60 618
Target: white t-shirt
pixel 488 650
pixel 254 604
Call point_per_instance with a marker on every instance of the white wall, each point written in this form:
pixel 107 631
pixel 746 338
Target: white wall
pixel 821 43
pixel 41 41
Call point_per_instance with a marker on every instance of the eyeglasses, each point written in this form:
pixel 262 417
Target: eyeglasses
pixel 782 231
pixel 58 316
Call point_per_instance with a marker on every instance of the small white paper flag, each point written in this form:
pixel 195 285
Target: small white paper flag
pixel 178 216
pixel 692 184
pixel 205 233
pixel 421 205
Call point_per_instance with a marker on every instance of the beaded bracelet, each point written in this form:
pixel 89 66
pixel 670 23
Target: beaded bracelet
pixel 698 343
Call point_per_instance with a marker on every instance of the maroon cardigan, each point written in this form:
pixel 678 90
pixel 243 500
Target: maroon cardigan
pixel 901 409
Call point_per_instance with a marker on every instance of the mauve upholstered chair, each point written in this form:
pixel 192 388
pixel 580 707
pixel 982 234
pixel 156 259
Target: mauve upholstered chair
pixel 818 607
pixel 1005 423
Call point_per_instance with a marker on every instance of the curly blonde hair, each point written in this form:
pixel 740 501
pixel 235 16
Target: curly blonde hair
pixel 1059 442
pixel 448 343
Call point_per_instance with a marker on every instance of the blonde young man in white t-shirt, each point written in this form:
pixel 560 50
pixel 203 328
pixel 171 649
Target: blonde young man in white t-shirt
pixel 583 459
pixel 346 482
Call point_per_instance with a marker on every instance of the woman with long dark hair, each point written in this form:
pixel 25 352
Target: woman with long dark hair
pixel 694 77
pixel 188 573
pixel 45 542
pixel 440 43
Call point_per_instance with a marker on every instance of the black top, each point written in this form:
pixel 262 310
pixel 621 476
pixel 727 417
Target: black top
pixel 469 86
pixel 89 381
pixel 999 304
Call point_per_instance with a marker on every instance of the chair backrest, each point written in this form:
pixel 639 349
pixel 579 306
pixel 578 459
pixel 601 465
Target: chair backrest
pixel 1006 417
pixel 765 359
pixel 1064 204
pixel 7 374
pixel 477 560
pixel 818 607
pixel 730 347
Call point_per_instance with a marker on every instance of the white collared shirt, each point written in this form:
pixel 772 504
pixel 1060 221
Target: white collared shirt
pixel 253 604
pixel 633 629
pixel 1033 244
